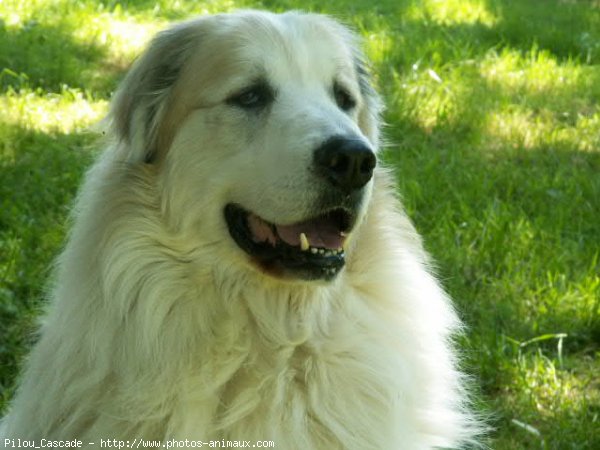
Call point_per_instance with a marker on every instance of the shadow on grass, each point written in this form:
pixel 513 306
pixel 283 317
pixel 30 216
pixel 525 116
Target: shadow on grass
pixel 573 423
pixel 514 235
pixel 39 175
pixel 540 200
pixel 49 57
pixel 568 29
pixel 431 43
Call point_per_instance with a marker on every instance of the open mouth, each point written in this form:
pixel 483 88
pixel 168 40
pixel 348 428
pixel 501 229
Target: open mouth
pixel 310 249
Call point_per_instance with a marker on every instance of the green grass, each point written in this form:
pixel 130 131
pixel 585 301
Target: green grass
pixel 493 125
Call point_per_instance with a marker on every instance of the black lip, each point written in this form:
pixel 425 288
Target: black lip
pixel 284 260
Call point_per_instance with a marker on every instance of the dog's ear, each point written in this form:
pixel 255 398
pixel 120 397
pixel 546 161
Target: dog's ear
pixel 142 99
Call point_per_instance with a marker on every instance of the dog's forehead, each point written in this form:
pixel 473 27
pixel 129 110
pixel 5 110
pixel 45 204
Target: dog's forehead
pixel 299 40
pixel 288 46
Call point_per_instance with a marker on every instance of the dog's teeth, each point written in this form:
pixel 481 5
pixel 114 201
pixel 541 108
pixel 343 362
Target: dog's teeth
pixel 340 250
pixel 327 253
pixel 321 251
pixel 313 250
pixel 304 244
pixel 343 234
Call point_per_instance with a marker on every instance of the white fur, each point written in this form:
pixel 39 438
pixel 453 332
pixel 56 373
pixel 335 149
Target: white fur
pixel 160 327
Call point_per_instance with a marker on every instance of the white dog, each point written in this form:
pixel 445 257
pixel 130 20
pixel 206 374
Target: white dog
pixel 239 267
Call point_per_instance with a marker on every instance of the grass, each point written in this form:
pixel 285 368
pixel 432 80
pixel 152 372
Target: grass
pixel 493 126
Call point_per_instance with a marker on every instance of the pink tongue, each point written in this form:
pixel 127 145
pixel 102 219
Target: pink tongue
pixel 319 232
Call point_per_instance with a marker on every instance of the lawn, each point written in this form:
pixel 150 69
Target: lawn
pixel 493 124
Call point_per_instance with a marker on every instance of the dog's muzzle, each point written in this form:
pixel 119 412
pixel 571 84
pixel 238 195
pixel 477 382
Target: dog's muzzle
pixel 313 248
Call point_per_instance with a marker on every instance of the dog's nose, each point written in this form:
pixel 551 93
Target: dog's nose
pixel 345 162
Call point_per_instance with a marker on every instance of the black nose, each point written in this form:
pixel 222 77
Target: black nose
pixel 345 162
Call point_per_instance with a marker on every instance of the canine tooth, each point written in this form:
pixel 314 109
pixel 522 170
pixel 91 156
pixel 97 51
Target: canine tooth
pixel 304 244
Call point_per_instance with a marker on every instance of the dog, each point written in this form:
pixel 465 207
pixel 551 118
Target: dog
pixel 240 266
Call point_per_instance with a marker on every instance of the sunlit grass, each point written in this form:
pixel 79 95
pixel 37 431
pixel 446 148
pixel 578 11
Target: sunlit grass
pixel 493 125
pixel 531 129
pixel 65 112
pixel 533 72
pixel 546 392
pixel 124 37
pixel 377 45
pixel 452 12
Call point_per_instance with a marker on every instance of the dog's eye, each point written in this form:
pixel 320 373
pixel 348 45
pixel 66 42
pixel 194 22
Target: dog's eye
pixel 256 96
pixel 343 98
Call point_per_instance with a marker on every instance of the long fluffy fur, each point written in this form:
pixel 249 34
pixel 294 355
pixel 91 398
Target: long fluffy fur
pixel 153 333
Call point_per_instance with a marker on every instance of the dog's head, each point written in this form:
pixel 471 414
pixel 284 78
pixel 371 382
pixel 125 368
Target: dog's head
pixel 263 129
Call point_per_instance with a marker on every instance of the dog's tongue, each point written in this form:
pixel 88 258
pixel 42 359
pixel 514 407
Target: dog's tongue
pixel 319 232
